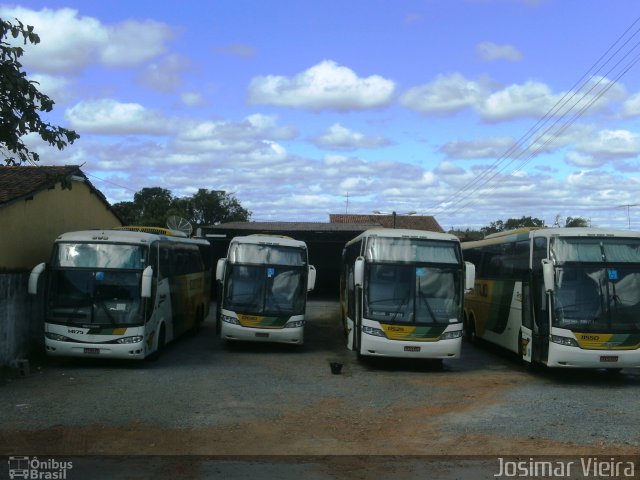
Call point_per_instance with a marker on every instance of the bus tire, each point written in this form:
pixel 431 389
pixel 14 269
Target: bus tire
pixel 199 318
pixel 469 328
pixel 161 342
pixel 357 339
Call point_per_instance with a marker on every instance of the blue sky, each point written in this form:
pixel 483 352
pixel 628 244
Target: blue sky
pixel 305 108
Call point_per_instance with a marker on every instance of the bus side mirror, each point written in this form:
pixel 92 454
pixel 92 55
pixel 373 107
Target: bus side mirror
pixel 34 277
pixel 220 268
pixel 147 277
pixel 311 278
pixel 469 276
pixel 548 275
pixel 358 272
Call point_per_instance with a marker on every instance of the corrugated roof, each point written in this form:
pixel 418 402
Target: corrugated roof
pixel 291 226
pixel 415 222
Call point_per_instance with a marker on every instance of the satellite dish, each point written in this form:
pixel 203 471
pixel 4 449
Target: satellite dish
pixel 180 224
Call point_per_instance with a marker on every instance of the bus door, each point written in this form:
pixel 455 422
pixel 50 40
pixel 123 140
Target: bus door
pixel 526 329
pixel 163 293
pixel 541 320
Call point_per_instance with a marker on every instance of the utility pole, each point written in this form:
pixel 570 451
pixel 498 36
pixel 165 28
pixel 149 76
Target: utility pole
pixel 628 206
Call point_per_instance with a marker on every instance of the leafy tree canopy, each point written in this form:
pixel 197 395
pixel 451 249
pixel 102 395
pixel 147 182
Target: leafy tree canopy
pixel 511 224
pixel 21 102
pixel 152 206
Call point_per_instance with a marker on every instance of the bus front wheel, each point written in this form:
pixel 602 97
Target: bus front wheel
pixel 161 341
pixel 470 330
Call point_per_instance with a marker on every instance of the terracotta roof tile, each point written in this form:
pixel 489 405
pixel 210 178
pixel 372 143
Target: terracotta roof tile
pixel 19 182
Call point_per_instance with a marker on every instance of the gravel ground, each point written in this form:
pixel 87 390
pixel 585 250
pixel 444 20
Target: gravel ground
pixel 204 397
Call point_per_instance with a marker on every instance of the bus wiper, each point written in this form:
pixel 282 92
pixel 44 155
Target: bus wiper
pixel 106 310
pixel 423 298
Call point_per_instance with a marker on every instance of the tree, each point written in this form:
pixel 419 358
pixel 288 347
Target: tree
pixel 152 206
pixel 20 101
pixel 574 222
pixel 511 224
pixel 209 207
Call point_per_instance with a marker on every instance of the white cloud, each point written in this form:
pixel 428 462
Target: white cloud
pixel 107 116
pixel 70 42
pixel 611 144
pixel 165 75
pixel 326 86
pixel 484 148
pixel 192 99
pixel 338 137
pixel 446 94
pixel 583 161
pixel 490 52
pixel 631 107
pixel 531 99
pixel 55 87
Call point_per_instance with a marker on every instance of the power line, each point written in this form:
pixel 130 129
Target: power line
pixel 480 180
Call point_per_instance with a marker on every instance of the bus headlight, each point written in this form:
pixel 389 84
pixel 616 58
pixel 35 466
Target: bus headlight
pixel 451 335
pixel 232 320
pixel 295 324
pixel 566 341
pixel 376 332
pixel 56 337
pixel 135 339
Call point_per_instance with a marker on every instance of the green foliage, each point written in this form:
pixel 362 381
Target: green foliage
pixel 152 206
pixel 511 224
pixel 575 222
pixel 21 102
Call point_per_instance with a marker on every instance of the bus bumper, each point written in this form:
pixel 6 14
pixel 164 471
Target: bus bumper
pixel 383 347
pixel 573 357
pixel 94 350
pixel 230 331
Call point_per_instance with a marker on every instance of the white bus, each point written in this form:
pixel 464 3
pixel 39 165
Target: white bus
pixel 401 293
pixel 263 282
pixel 122 294
pixel 561 297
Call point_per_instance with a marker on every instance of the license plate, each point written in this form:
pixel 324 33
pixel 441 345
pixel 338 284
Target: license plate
pixel 609 358
pixel 262 335
pixel 92 351
pixel 411 349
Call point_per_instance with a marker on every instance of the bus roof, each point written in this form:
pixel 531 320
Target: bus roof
pixel 269 240
pixel 404 233
pixel 123 236
pixel 527 233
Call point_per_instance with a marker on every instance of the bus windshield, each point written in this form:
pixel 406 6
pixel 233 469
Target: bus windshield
pixel 412 250
pixel 597 284
pixel 97 284
pixel 100 255
pixel 266 289
pixel 410 293
pixel 266 254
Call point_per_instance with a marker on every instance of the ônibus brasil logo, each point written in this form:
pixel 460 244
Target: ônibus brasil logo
pixel 36 469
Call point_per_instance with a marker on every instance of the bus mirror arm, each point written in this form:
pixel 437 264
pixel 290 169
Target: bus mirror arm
pixel 548 274
pixel 469 276
pixel 34 277
pixel 147 277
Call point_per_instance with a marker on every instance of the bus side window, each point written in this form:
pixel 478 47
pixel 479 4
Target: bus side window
pixel 164 270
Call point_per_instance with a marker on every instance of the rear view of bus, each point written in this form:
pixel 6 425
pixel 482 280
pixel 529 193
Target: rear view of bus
pixel 402 294
pixel 264 281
